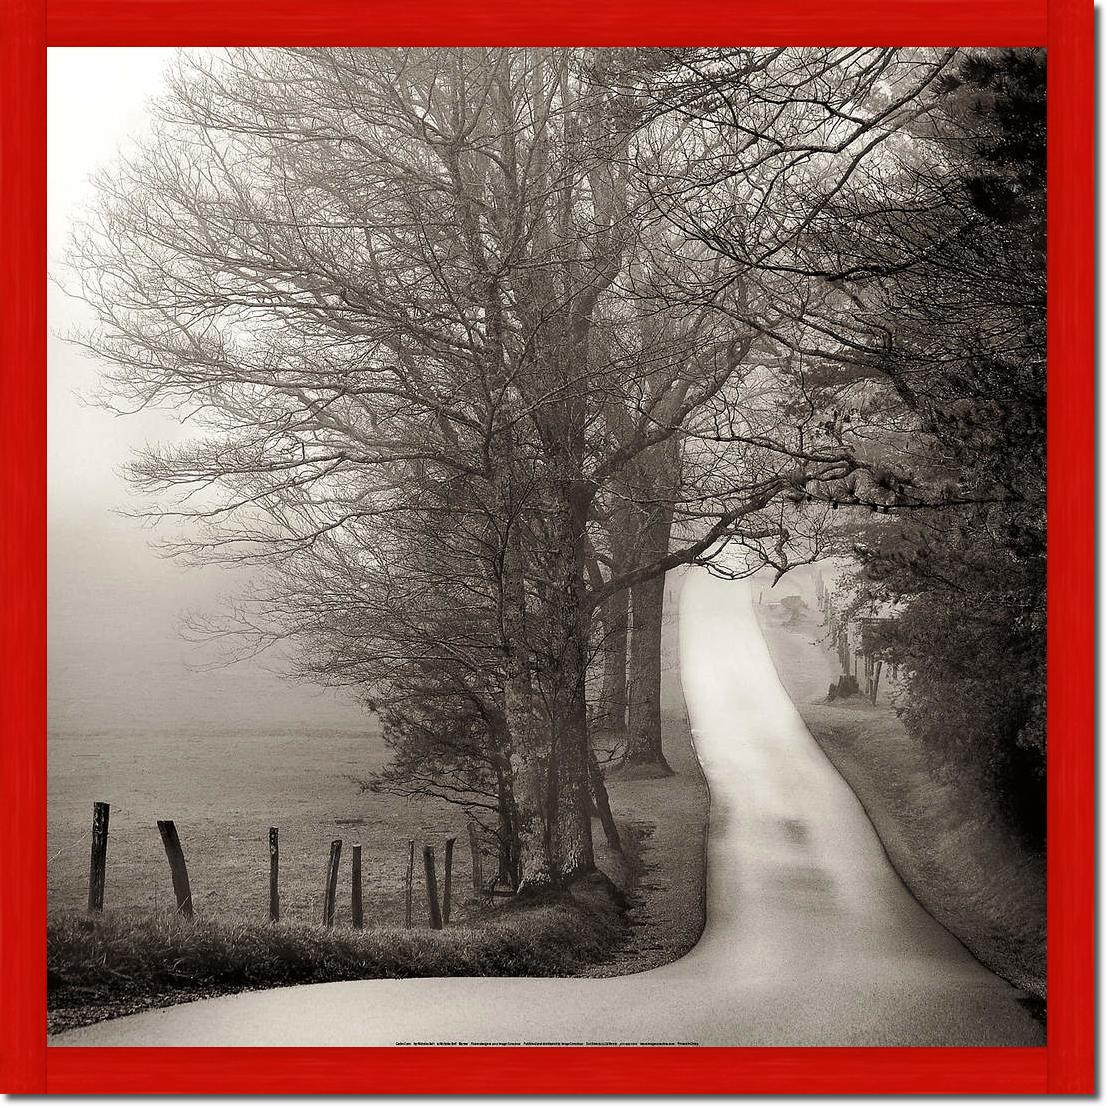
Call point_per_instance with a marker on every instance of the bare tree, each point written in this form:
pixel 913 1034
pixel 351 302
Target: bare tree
pixel 444 321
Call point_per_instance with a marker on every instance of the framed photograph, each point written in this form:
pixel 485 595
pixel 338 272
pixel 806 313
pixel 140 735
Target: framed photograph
pixel 548 549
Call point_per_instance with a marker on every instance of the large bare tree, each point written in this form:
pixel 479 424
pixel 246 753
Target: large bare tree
pixel 519 312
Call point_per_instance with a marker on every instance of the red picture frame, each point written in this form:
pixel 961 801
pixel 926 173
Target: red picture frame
pixel 1065 1066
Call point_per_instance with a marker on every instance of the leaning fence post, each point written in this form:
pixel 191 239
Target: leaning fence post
pixel 331 882
pixel 477 874
pixel 357 906
pixel 97 872
pixel 431 887
pixel 410 881
pixel 875 679
pixel 448 890
pixel 173 850
pixel 274 874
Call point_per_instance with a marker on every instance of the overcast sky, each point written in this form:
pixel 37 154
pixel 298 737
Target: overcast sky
pixel 117 661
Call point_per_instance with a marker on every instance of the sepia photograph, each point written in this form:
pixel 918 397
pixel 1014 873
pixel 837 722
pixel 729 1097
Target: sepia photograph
pixel 546 546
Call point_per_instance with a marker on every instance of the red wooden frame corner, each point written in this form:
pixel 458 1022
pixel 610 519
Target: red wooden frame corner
pixel 27 27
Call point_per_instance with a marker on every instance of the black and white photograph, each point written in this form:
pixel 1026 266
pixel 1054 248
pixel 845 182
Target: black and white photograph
pixel 546 546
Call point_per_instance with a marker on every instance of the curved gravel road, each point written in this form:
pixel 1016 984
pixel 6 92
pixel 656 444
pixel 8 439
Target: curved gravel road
pixel 811 937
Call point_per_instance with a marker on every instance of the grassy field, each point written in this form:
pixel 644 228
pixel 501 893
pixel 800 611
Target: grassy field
pixel 942 835
pixel 224 791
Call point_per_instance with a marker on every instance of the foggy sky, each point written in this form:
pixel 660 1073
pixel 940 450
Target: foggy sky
pixel 116 658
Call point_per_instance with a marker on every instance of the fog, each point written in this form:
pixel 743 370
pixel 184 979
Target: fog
pixel 117 661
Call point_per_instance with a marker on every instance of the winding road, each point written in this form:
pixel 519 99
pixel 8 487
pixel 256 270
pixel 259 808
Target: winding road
pixel 811 937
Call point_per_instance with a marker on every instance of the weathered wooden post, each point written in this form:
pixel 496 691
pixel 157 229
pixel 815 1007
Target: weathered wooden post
pixel 477 865
pixel 331 883
pixel 274 874
pixel 357 908
pixel 448 890
pixel 410 882
pixel 431 887
pixel 97 872
pixel 173 850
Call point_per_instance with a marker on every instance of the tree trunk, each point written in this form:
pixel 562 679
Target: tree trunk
pixel 534 869
pixel 602 803
pixel 610 718
pixel 643 743
pixel 527 773
pixel 570 824
pixel 570 813
pixel 506 832
pixel 528 869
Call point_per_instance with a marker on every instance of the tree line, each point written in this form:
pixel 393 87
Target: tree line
pixel 476 345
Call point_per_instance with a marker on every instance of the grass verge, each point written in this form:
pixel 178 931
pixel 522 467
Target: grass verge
pixel 943 836
pixel 663 868
pixel 664 823
pixel 113 965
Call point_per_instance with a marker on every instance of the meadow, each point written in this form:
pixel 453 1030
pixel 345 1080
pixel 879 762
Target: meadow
pixel 224 790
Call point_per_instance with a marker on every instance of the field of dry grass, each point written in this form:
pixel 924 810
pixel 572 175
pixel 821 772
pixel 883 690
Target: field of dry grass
pixel 943 836
pixel 224 791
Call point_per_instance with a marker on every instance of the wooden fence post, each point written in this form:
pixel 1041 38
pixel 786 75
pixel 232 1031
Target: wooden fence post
pixel 431 887
pixel 357 906
pixel 448 890
pixel 331 883
pixel 173 850
pixel 274 874
pixel 97 872
pixel 410 882
pixel 477 872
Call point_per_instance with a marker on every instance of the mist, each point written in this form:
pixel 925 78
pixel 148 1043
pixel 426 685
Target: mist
pixel 117 658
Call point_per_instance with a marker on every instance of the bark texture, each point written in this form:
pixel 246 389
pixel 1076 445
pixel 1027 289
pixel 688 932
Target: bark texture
pixel 643 742
pixel 610 718
pixel 570 814
pixel 602 803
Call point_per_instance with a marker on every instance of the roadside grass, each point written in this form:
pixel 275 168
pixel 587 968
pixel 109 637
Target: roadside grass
pixel 663 869
pixel 944 837
pixel 664 824
pixel 105 967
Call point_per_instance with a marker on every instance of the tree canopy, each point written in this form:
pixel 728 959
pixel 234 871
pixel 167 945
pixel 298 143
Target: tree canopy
pixel 479 343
